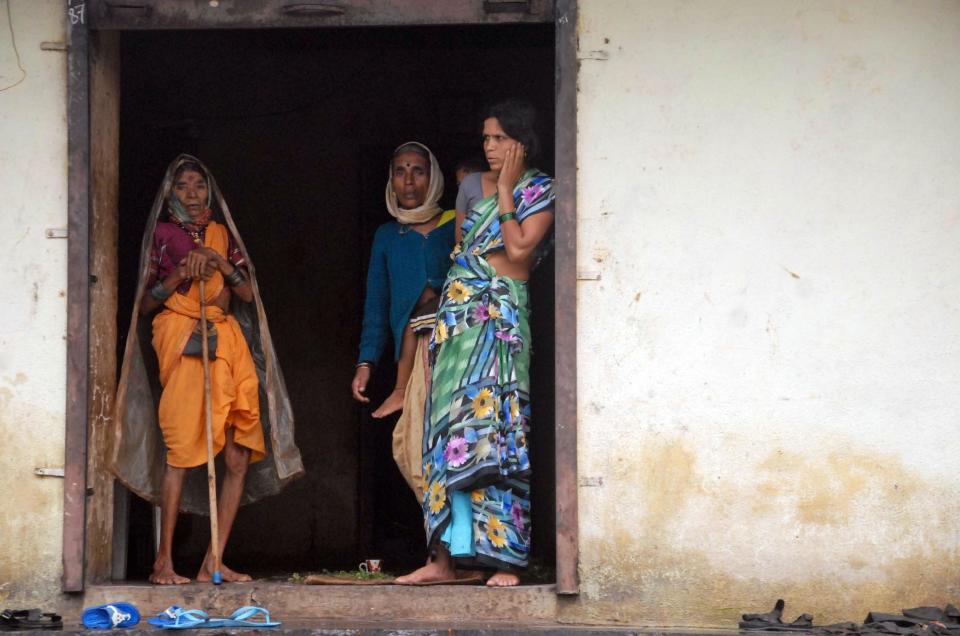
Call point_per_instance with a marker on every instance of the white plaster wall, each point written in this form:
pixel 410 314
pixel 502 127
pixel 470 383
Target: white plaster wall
pixel 769 191
pixel 33 277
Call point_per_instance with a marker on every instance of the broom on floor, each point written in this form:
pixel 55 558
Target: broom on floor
pixel 211 468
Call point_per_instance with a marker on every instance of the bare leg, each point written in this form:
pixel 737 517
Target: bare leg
pixel 503 579
pixel 408 350
pixel 171 489
pixel 236 458
pixel 440 568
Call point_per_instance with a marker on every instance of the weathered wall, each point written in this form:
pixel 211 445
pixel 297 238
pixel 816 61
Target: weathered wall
pixel 769 193
pixel 33 272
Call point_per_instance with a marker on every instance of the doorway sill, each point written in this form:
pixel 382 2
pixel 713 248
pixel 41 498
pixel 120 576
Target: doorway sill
pixel 309 604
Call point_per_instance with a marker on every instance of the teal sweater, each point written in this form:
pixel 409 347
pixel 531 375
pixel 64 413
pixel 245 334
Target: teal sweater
pixel 402 263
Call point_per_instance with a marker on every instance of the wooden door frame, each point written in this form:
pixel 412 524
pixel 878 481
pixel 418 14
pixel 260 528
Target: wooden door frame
pixel 91 199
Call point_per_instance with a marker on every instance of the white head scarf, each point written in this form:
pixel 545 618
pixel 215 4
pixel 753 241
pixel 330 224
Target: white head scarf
pixel 430 208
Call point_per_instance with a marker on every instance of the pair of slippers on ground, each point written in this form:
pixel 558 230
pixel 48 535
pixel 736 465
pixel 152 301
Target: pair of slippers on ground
pixel 178 618
pixel 120 615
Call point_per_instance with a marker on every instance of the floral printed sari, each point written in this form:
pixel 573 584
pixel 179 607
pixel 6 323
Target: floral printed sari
pixel 475 461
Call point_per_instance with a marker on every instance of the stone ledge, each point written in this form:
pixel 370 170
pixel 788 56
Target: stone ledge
pixel 312 603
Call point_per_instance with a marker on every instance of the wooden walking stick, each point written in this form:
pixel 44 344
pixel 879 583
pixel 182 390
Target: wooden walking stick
pixel 211 468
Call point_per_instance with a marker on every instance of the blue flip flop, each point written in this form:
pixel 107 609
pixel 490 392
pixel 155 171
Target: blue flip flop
pixel 249 616
pixel 166 617
pixel 179 618
pixel 110 616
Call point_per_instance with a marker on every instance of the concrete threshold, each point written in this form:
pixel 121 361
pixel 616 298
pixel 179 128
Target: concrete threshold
pixel 288 602
pixel 374 610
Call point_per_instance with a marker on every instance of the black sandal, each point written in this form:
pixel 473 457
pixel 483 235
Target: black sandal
pixel 772 621
pixel 21 620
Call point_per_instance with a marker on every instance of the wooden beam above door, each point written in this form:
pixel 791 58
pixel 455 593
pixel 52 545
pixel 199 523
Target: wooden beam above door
pixel 258 14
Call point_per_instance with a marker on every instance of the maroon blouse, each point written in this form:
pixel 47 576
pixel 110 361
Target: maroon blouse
pixel 171 244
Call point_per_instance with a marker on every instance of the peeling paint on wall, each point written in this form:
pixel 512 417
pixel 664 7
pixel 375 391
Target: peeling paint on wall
pixel 773 416
pixel 667 545
pixel 32 349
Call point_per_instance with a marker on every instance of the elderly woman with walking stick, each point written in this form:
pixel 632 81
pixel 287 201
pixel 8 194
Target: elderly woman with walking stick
pixel 197 274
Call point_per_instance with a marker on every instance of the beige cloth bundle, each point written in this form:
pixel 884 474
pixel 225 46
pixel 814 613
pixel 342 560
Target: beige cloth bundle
pixel 408 433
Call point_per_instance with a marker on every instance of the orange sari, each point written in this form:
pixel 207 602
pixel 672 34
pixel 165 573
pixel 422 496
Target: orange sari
pixel 233 377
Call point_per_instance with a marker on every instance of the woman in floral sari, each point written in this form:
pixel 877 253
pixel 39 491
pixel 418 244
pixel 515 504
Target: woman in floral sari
pixel 476 463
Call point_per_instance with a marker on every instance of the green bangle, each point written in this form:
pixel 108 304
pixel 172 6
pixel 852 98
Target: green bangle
pixel 160 292
pixel 509 216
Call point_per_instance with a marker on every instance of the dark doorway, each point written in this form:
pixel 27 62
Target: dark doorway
pixel 297 126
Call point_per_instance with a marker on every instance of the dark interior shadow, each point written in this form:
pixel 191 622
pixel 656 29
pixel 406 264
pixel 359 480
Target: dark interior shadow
pixel 297 127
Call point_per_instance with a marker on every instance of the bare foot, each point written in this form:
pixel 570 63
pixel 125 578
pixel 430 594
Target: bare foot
pixel 431 572
pixel 392 404
pixel 163 573
pixel 503 579
pixel 205 575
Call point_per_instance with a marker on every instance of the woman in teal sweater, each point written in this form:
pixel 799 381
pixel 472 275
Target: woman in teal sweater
pixel 408 265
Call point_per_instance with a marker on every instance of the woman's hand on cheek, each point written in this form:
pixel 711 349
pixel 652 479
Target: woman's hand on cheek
pixel 512 167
